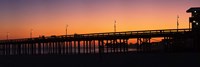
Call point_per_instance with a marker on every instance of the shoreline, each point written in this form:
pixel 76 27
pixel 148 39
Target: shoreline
pixel 104 60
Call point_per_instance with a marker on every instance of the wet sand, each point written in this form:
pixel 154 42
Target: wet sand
pixel 104 60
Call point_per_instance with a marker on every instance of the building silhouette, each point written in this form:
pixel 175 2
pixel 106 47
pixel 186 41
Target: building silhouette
pixel 195 21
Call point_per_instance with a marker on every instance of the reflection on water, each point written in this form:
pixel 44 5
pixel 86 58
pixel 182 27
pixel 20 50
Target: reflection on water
pixel 96 50
pixel 70 51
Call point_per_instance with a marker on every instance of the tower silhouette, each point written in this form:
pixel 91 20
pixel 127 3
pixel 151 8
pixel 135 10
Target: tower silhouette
pixel 195 21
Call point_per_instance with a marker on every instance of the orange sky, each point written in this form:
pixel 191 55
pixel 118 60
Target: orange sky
pixel 49 17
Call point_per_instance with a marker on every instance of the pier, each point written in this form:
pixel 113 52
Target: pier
pixel 174 40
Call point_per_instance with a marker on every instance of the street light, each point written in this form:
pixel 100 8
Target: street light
pixel 66 29
pixel 31 33
pixel 115 26
pixel 7 35
pixel 177 22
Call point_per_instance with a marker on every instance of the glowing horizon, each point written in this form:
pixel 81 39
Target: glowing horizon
pixel 50 17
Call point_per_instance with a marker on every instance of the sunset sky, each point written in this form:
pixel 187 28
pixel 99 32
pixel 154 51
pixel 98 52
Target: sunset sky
pixel 50 17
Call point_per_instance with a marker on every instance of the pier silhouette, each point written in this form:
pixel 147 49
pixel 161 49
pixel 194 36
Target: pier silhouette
pixel 108 45
pixel 175 40
pixel 112 42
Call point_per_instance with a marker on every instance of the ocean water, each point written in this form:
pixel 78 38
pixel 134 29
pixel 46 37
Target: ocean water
pixel 64 51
